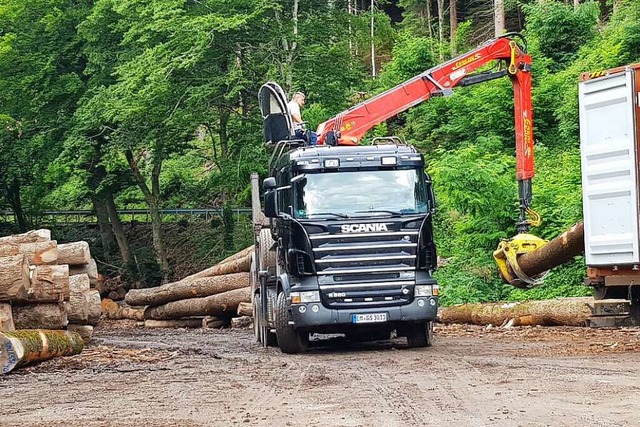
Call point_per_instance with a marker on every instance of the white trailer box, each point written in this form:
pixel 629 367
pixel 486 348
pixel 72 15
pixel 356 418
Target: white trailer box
pixel 609 150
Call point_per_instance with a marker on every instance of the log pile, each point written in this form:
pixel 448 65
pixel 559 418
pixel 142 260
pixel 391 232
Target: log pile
pixel 208 299
pixel 46 285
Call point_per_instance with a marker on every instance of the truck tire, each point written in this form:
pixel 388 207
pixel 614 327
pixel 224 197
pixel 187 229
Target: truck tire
pixel 290 340
pixel 420 335
pixel 266 257
pixel 262 333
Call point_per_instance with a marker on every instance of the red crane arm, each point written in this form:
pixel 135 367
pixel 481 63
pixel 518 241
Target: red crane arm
pixel 348 127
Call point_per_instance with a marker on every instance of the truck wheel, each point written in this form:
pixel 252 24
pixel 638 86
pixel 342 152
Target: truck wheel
pixel 266 256
pixel 262 333
pixel 420 335
pixel 290 340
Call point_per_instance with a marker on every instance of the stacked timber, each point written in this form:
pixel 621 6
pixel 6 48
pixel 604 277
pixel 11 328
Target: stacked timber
pixel 46 285
pixel 208 299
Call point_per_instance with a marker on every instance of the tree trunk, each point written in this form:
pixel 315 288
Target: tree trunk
pixel 75 253
pixel 78 309
pixel 6 318
pixel 186 289
pixel 34 236
pixel 85 331
pixel 245 309
pixel 106 232
pixel 222 304
pixel 40 253
pixel 14 278
pixel 92 300
pixel 453 25
pixel 49 283
pixel 192 322
pixel 429 19
pixel 90 269
pixel 241 322
pixel 441 27
pixel 13 198
pixel 23 347
pixel 210 322
pixel 9 249
pixel 498 17
pixel 238 263
pixel 118 230
pixel 40 316
pixel 554 312
pixel 113 310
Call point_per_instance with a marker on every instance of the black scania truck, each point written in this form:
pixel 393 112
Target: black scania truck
pixel 344 243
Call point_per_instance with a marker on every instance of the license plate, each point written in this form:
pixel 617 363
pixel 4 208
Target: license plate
pixel 369 318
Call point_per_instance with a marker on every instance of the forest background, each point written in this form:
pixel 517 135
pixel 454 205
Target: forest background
pixel 114 104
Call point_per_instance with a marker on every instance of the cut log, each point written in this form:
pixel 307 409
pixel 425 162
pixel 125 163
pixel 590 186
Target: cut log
pixel 40 253
pixel 90 269
pixel 92 300
pixel 118 294
pixel 75 253
pixel 237 263
pixel 9 249
pixel 14 278
pixel 192 322
pixel 554 312
pixel 187 288
pixel 6 318
pixel 29 237
pixel 40 316
pixel 210 322
pixel 557 252
pixel 224 304
pixel 117 311
pixel 77 308
pixel 241 322
pixel 245 309
pixel 19 348
pixel 49 283
pixel 85 331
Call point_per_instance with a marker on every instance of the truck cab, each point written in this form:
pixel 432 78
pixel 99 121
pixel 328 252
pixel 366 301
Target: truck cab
pixel 349 233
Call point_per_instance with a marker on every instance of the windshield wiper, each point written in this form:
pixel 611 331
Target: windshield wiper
pixel 339 215
pixel 380 211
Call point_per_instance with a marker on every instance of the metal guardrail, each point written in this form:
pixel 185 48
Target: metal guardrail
pixel 126 215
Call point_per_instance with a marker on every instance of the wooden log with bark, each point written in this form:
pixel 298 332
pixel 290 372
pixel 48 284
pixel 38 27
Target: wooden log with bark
pixel 49 283
pixel 6 318
pixel 78 308
pixel 553 312
pixel 211 322
pixel 75 253
pixel 191 322
pixel 90 269
pixel 85 331
pixel 223 304
pixel 118 311
pixel 92 300
pixel 33 236
pixel 14 278
pixel 118 294
pixel 236 263
pixel 187 288
pixel 41 253
pixel 19 348
pixel 9 249
pixel 241 322
pixel 40 316
pixel 245 309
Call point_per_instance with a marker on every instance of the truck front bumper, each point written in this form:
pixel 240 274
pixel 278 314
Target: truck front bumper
pixel 310 315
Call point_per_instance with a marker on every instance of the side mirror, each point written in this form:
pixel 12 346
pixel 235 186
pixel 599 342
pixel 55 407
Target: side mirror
pixel 271 203
pixel 269 183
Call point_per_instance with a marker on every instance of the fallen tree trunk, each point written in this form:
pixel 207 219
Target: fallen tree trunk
pixel 77 308
pixel 49 283
pixel 75 253
pixel 85 331
pixel 28 237
pixel 192 322
pixel 6 318
pixel 187 288
pixel 115 311
pixel 237 263
pixel 40 316
pixel 40 253
pixel 553 312
pixel 245 309
pixel 222 304
pixel 14 278
pixel 90 269
pixel 19 348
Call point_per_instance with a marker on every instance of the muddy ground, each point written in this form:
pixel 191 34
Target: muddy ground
pixel 130 376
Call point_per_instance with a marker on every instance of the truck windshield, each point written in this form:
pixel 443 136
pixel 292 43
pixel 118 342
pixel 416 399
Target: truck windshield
pixel 361 193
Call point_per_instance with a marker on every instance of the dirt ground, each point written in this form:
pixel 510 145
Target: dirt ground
pixel 473 376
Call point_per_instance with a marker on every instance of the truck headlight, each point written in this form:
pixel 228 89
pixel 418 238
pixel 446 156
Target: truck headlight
pixel 305 297
pixel 426 291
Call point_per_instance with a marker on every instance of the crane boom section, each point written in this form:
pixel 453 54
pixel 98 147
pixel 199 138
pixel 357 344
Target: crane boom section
pixel 350 126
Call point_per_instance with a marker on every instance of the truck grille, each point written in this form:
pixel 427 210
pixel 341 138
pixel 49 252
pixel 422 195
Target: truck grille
pixel 363 270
